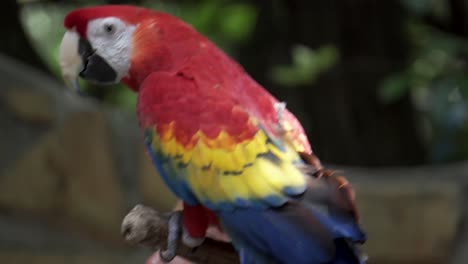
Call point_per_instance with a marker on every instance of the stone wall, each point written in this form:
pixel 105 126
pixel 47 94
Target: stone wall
pixel 71 168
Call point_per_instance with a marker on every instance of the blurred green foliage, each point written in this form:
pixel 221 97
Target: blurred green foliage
pixel 306 66
pixel 436 78
pixel 436 56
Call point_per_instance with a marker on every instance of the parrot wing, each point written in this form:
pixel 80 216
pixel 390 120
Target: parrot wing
pixel 210 149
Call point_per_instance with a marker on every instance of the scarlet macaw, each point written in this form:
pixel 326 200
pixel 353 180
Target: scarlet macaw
pixel 224 145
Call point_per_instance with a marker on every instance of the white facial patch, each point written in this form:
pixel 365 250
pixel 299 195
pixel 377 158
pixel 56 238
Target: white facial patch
pixel 112 40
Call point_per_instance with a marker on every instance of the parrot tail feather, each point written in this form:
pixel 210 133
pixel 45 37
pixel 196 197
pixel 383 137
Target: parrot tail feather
pixel 297 232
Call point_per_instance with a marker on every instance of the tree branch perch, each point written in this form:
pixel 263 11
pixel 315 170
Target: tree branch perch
pixel 147 227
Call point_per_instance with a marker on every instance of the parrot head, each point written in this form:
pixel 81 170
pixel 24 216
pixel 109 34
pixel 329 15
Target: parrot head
pixel 113 43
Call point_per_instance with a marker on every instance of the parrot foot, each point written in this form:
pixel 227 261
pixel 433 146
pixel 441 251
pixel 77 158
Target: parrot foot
pixel 174 233
pixel 340 181
pixel 313 167
pixel 190 241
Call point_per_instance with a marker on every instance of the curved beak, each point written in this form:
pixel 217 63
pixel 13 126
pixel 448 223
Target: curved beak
pixel 70 60
pixel 78 58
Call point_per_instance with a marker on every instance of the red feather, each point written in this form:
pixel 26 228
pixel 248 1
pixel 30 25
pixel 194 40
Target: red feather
pixel 79 18
pixel 190 111
pixel 163 43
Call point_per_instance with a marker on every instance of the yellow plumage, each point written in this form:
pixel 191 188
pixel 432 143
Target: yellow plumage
pixel 220 171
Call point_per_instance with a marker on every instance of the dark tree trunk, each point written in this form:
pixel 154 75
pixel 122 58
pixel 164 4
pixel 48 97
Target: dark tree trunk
pixel 16 44
pixel 342 114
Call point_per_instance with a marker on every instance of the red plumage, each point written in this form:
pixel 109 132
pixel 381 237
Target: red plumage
pixel 79 18
pixel 185 81
pixel 166 44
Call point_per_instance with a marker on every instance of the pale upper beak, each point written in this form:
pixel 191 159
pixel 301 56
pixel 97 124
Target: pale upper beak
pixel 78 58
pixel 70 59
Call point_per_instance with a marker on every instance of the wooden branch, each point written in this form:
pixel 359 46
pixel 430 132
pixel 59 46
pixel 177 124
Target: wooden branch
pixel 147 227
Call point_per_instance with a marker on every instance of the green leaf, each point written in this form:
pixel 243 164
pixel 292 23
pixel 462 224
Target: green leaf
pixel 202 16
pixel 326 57
pixel 237 21
pixel 303 56
pixel 306 66
pixel 393 88
pixel 285 75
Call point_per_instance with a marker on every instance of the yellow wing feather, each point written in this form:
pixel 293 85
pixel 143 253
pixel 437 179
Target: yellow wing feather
pixel 221 173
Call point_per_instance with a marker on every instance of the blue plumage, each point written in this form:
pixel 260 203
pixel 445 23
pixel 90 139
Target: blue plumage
pixel 295 233
pixel 312 228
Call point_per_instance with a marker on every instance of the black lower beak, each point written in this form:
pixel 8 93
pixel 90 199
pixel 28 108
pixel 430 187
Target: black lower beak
pixel 95 68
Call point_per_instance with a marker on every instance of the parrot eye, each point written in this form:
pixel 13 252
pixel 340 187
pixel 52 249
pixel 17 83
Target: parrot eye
pixel 109 28
pixel 110 38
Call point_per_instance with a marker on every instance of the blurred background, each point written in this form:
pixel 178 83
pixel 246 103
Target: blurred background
pixel 380 86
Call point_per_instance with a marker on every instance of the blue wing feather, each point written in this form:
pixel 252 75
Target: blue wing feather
pixel 292 234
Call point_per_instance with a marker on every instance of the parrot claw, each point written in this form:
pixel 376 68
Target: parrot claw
pixel 324 173
pixel 174 233
pixel 166 256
